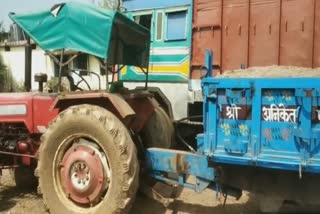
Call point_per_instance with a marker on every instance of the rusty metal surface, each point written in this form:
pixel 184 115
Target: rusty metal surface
pixel 235 33
pixel 297 26
pixel 180 162
pixel 118 105
pixel 206 27
pixel 316 43
pixel 246 33
pixel 17 154
pixel 264 33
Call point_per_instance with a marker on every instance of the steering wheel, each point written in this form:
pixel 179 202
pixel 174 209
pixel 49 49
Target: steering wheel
pixel 73 86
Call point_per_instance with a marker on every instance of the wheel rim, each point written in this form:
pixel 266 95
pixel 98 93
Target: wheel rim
pixel 83 171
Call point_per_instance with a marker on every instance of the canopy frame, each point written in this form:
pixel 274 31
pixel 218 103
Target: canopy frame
pixel 120 49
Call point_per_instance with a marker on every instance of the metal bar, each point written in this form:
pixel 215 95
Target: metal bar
pixel 279 49
pixel 107 74
pixel 9 167
pixel 221 38
pixel 147 73
pixel 314 31
pixel 60 70
pixel 70 60
pixel 256 120
pixel 180 162
pixel 208 62
pixel 161 178
pixel 54 58
pixel 28 60
pixel 249 36
pixel 17 154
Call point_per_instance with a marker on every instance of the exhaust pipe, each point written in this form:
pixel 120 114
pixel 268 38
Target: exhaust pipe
pixel 27 71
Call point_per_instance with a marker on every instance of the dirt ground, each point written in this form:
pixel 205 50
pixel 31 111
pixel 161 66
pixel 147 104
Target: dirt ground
pixel 15 201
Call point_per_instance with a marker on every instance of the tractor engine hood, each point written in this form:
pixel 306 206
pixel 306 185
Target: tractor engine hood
pixel 32 109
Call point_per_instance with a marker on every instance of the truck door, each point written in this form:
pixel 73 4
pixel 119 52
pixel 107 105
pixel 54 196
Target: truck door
pixel 297 30
pixel 206 32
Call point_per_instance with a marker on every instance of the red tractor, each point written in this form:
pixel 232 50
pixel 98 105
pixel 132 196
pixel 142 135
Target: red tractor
pixel 83 145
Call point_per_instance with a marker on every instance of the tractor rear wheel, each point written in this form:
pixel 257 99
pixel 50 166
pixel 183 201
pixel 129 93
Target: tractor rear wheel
pixel 88 163
pixel 159 130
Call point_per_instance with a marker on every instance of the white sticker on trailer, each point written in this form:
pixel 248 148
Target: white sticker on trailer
pixel 20 109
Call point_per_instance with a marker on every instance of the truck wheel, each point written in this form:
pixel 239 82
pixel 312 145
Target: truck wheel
pixel 88 163
pixel 159 130
pixel 24 178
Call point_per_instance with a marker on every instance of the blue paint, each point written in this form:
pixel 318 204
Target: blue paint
pixel 132 5
pixel 258 122
pixel 287 139
pixel 208 61
pixel 173 161
pixel 176 26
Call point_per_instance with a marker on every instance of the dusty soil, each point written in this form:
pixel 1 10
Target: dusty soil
pixel 15 201
pixel 272 71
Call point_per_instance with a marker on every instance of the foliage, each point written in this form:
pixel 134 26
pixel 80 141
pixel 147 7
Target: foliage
pixel 3 33
pixel 52 85
pixel 110 4
pixel 7 82
pixel 3 73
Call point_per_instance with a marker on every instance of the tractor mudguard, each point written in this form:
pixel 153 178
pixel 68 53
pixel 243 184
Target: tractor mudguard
pixel 113 102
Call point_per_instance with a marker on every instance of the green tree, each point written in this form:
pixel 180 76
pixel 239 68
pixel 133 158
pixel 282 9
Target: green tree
pixel 110 4
pixel 3 33
pixel 3 74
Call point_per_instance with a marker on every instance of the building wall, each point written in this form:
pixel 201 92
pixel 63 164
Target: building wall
pixel 42 63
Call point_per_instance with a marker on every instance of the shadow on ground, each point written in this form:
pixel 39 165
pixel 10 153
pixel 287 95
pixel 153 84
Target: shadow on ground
pixel 147 205
pixel 11 195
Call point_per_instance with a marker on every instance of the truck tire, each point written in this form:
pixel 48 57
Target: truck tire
pixel 159 130
pixel 87 163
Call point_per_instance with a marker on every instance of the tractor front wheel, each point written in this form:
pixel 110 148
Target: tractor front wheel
pixel 88 163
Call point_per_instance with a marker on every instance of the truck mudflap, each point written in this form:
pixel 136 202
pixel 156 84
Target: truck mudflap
pixel 265 122
pixel 181 163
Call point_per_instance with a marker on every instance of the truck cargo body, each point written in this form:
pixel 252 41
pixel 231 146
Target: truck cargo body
pixel 266 122
pixel 247 33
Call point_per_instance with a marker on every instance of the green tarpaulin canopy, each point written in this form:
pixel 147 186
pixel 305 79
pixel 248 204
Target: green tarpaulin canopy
pixel 82 27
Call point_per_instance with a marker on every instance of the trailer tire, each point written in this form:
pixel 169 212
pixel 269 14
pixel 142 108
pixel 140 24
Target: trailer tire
pixel 103 139
pixel 159 130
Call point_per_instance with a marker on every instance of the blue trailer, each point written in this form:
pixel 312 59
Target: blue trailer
pixel 260 134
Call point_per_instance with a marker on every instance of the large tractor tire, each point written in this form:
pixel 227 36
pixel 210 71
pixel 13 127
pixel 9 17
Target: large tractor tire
pixel 159 130
pixel 88 163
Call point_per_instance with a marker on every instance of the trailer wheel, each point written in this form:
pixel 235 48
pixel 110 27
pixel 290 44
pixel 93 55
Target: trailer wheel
pixel 159 130
pixel 88 163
